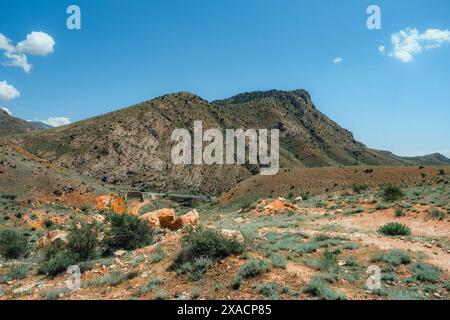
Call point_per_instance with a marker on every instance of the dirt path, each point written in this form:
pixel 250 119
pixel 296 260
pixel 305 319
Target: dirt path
pixel 135 209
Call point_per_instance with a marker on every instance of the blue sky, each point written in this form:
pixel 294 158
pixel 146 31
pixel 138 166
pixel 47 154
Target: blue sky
pixel 127 52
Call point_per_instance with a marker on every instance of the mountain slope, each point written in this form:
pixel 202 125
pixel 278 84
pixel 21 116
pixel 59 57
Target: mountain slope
pixel 11 125
pixel 132 147
pixel 426 160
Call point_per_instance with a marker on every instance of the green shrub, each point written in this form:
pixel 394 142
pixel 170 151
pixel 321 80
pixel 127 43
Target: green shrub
pixel 16 272
pixel 112 279
pixel 162 295
pixel 195 269
pixel 391 193
pixel 319 288
pixel 425 272
pixel 83 240
pixel 436 214
pixel 252 268
pixel 395 229
pixel 13 244
pixel 399 212
pixel 57 262
pixel 358 188
pixel 269 290
pixel 279 262
pixel 48 223
pixel 126 232
pixel 158 255
pixel 394 257
pixel 206 243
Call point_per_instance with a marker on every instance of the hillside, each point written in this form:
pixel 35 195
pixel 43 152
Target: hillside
pixel 11 125
pixel 131 147
pixel 429 159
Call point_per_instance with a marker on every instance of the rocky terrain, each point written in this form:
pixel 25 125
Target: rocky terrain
pixel 70 196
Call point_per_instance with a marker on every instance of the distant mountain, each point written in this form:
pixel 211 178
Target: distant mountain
pixel 11 125
pixel 429 159
pixel 132 147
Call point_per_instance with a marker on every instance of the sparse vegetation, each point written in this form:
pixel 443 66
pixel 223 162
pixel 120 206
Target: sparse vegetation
pixel 425 272
pixel 394 257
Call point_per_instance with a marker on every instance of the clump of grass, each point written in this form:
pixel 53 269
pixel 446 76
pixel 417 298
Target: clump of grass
pixel 319 288
pixel 252 268
pixel 328 262
pixel 394 257
pixel 195 269
pixel 436 214
pixel 391 193
pixel 158 255
pixel 55 294
pixel 394 229
pixel 112 279
pixel 425 272
pixel 399 212
pixel 162 295
pixel 17 272
pixel 358 188
pixel 404 294
pixel 279 262
pixel 269 290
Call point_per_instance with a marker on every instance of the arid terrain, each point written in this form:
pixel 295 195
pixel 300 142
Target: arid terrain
pixel 100 194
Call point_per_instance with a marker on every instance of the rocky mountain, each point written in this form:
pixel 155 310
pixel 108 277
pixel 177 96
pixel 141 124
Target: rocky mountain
pixel 11 125
pixel 428 160
pixel 132 147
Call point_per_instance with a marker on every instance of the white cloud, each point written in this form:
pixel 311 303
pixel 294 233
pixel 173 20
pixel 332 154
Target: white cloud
pixel 410 42
pixel 5 43
pixel 17 60
pixel 37 43
pixel 7 111
pixel 8 92
pixel 56 121
pixel 338 60
pixel 382 50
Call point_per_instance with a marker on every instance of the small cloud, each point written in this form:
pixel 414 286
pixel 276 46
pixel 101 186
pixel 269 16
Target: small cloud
pixel 338 60
pixel 382 50
pixel 37 44
pixel 8 92
pixel 406 44
pixel 7 111
pixel 17 60
pixel 5 43
pixel 56 121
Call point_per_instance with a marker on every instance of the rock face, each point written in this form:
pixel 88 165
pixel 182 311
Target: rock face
pixel 53 237
pixel 110 202
pixel 162 218
pixel 191 218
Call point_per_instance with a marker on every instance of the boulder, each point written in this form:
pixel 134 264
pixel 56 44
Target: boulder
pixel 232 235
pixel 53 237
pixel 190 218
pixel 163 218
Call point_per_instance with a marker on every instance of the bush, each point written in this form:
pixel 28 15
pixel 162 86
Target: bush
pixel 358 188
pixel 113 279
pixel 206 243
pixel 426 272
pixel 252 268
pixel 395 229
pixel 319 288
pixel 393 257
pixel 158 255
pixel 83 240
pixel 399 212
pixel 279 262
pixel 269 290
pixel 391 193
pixel 57 262
pixel 196 269
pixel 436 214
pixel 126 232
pixel 12 244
